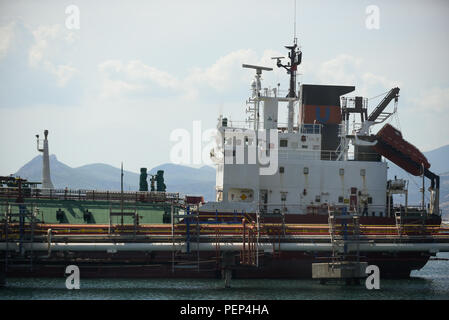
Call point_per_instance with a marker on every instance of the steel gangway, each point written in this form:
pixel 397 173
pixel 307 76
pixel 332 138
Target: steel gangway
pixel 344 230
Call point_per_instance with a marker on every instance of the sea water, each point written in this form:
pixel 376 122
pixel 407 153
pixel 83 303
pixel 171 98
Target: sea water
pixel 431 282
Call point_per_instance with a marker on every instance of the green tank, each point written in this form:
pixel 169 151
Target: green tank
pixel 160 181
pixel 143 185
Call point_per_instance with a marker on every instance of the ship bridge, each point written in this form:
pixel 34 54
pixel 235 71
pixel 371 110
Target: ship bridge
pixel 297 167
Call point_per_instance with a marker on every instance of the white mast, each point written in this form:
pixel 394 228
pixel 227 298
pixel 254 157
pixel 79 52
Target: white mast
pixel 256 87
pixel 46 179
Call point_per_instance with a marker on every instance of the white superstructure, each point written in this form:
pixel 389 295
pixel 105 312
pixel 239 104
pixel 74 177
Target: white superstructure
pixel 269 168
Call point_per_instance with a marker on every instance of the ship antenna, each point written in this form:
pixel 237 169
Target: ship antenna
pixel 295 57
pixel 294 23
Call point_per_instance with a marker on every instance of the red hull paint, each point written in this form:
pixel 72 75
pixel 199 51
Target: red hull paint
pixel 286 265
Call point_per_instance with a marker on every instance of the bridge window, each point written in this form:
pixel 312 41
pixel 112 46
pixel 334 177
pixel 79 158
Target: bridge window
pixel 283 143
pixel 283 196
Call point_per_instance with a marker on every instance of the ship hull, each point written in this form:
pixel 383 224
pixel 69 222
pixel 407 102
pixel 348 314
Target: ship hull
pixel 274 264
pixel 284 265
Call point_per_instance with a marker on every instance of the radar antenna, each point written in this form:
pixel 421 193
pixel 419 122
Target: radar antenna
pixel 258 68
pixel 256 91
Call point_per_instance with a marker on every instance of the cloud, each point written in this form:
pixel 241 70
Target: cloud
pixel 340 70
pixel 349 70
pixel 223 76
pixel 119 78
pixel 435 99
pixel 370 79
pixel 220 75
pixel 41 37
pixel 136 70
pixel 36 66
pixel 49 42
pixel 6 37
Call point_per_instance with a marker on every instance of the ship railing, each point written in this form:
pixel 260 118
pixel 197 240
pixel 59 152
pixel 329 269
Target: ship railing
pixel 322 208
pixel 301 153
pixel 310 128
pixel 349 102
pixel 271 92
pixel 282 208
pixel 83 194
pixel 293 154
pixel 238 124
pixel 302 129
pixel 282 126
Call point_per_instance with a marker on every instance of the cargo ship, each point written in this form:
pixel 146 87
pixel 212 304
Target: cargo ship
pixel 288 196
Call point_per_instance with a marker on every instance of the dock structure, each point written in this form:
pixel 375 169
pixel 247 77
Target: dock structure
pixel 190 245
pixel 348 271
pixel 344 229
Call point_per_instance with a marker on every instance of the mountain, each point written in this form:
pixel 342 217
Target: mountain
pixel 94 176
pixel 99 176
pixel 439 159
pixel 444 194
pixel 187 180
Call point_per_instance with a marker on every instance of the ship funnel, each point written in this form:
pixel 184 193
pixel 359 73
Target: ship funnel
pixel 46 179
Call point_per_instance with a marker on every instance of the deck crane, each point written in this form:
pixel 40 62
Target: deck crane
pixel 378 116
pixel 389 143
pixel 392 146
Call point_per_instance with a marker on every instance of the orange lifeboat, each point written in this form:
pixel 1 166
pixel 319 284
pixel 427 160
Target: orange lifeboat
pixel 392 146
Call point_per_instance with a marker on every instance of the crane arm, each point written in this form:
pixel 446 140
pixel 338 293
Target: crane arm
pixel 393 94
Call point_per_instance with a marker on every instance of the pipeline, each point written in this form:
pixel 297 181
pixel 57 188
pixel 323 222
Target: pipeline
pixel 226 246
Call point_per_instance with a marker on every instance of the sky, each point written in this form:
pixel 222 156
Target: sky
pixel 115 86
